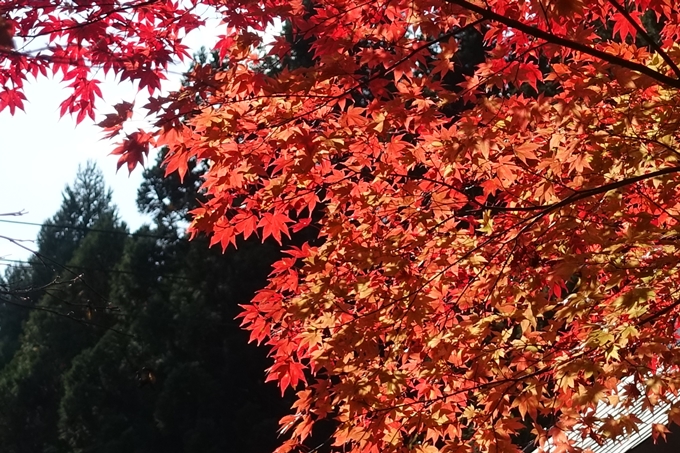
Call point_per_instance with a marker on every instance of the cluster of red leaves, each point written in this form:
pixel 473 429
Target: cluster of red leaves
pixel 84 40
pixel 474 276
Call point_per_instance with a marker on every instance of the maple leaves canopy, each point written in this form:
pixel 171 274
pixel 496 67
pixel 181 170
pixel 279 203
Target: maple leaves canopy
pixel 494 255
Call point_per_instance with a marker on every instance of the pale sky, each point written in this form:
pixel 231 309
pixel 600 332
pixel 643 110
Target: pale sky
pixel 40 154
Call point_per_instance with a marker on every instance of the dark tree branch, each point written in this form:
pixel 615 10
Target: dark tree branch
pixel 642 32
pixel 564 42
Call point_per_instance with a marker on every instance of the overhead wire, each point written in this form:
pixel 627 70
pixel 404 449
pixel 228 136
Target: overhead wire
pixel 70 268
pixel 29 264
pixel 87 229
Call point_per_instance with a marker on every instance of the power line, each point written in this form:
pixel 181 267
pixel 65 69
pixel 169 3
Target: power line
pixel 28 264
pixel 71 268
pixel 88 229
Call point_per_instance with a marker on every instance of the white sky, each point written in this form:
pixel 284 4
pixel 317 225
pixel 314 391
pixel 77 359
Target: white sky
pixel 40 154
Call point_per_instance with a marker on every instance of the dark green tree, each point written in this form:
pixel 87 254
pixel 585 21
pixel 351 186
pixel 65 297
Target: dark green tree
pixel 181 376
pixel 71 273
pixel 84 203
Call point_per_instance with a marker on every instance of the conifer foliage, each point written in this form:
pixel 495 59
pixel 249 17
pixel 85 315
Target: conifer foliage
pixel 497 241
pixel 132 343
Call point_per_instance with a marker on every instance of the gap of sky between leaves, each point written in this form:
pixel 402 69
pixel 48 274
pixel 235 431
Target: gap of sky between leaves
pixel 40 153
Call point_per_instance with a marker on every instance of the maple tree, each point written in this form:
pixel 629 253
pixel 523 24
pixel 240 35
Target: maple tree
pixel 497 243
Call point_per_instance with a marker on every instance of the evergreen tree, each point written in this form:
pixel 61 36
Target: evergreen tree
pixel 182 378
pixel 84 203
pixel 68 316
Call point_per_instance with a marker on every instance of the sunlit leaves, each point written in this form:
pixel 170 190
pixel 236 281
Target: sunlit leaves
pixel 490 190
